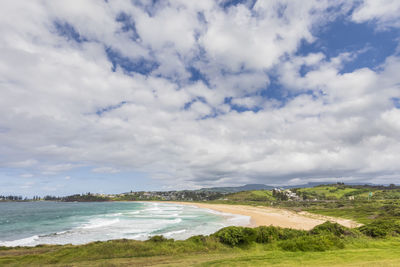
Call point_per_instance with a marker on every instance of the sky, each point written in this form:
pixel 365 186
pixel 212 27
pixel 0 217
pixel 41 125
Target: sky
pixel 112 96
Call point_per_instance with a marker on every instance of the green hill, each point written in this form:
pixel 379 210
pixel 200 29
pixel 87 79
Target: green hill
pixel 254 195
pixel 323 192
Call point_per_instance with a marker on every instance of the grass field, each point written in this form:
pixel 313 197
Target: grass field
pixel 333 192
pixel 254 195
pixel 357 253
pixel 328 244
pixel 330 192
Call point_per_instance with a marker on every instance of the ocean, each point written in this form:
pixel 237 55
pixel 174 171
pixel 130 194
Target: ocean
pixel 34 223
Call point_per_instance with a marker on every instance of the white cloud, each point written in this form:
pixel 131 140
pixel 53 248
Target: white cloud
pixel 63 107
pixel 27 185
pixel 105 170
pixel 57 168
pixel 248 102
pixel 384 12
pixel 26 175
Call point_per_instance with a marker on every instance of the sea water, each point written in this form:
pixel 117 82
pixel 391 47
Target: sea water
pixel 33 223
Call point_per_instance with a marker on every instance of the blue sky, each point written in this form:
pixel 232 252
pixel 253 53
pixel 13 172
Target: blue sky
pixel 116 96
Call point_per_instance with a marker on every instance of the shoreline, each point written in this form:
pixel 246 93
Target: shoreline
pixel 266 216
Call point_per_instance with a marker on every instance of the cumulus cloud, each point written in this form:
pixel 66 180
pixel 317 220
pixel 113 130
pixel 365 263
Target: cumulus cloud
pixel 177 90
pixel 384 12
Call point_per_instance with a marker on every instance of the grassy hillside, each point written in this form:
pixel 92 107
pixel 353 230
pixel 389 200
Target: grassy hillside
pixel 343 192
pixel 254 195
pixel 326 245
pixel 323 192
pixel 377 253
pixel 330 192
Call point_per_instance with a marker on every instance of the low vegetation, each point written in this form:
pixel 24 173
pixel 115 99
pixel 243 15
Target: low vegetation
pixel 254 195
pixel 229 242
pixel 363 203
pixel 332 192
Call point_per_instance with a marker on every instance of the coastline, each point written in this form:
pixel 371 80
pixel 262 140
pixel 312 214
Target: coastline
pixel 266 216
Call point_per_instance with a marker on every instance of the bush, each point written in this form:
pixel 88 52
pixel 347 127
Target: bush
pixel 266 234
pixel 288 233
pixel 234 235
pixel 158 238
pixel 331 228
pixel 312 243
pixel 391 210
pixel 198 239
pixel 381 229
pixel 263 234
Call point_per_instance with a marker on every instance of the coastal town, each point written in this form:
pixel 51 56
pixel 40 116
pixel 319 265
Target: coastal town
pixel 328 192
pixel 185 195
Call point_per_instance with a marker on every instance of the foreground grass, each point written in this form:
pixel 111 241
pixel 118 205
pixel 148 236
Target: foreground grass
pixel 357 253
pixel 328 244
pixel 114 249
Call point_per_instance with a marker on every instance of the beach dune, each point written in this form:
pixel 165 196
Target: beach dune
pixel 266 216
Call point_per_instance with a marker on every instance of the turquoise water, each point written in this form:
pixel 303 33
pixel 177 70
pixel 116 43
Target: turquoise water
pixel 33 223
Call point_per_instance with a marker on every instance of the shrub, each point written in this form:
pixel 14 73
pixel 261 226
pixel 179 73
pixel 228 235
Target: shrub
pixel 158 238
pixel 391 210
pixel 331 228
pixel 266 234
pixel 312 243
pixel 381 228
pixel 288 233
pixel 234 235
pixel 198 239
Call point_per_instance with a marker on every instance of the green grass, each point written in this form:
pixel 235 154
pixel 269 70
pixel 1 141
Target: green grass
pixel 358 252
pixel 255 195
pixel 332 192
pixel 106 250
pixel 341 192
pixel 382 256
pixel 361 211
pixel 326 244
pixel 328 192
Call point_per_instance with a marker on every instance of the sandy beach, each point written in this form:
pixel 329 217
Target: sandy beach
pixel 273 216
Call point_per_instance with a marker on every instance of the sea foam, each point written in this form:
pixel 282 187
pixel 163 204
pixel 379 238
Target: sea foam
pixel 20 242
pixel 132 220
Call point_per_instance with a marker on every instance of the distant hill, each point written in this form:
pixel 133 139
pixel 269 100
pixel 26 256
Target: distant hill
pixel 248 187
pixel 234 189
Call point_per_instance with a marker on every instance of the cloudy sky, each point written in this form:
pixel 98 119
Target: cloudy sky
pixel 111 96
